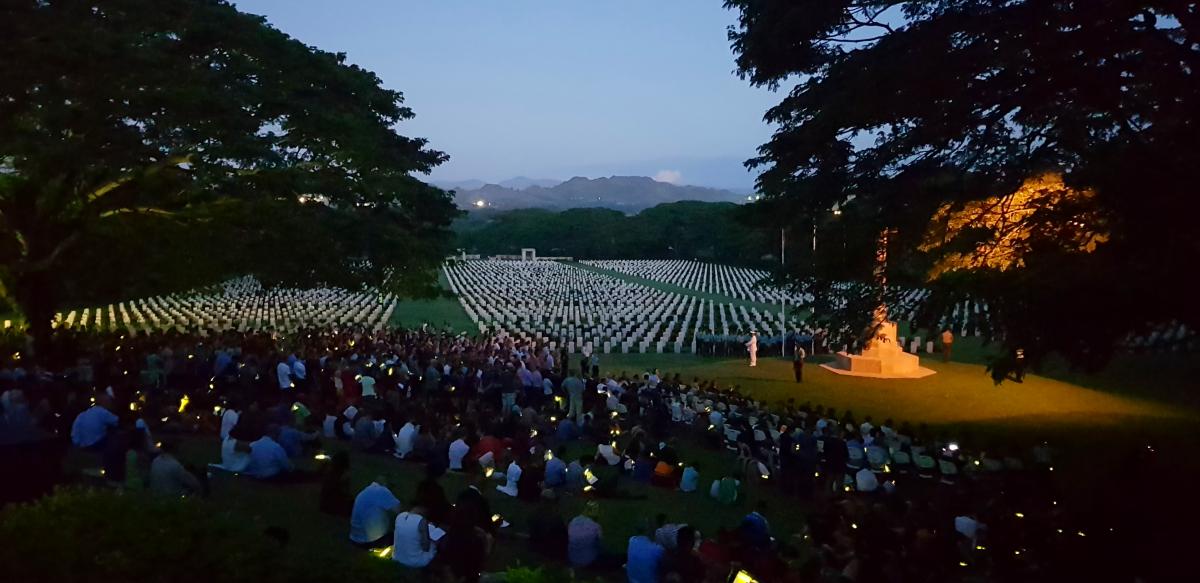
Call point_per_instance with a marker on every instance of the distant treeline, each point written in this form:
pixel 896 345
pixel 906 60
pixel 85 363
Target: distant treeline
pixel 679 230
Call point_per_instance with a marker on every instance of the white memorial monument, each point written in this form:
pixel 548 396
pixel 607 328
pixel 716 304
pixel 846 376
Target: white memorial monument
pixel 882 356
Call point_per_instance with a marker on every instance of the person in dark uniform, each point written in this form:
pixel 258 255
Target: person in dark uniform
pixel 798 363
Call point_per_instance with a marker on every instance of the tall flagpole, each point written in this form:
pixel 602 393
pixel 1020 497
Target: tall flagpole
pixel 783 297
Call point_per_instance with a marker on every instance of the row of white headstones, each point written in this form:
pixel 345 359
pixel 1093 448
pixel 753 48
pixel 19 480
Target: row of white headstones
pixel 964 318
pixel 562 305
pixel 240 304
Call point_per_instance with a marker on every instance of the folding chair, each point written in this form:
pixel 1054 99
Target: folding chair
pixel 924 464
pixel 949 471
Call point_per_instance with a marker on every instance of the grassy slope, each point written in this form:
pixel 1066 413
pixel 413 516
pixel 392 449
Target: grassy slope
pixel 438 312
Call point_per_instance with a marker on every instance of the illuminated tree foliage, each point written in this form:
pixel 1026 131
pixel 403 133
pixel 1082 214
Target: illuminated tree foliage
pixel 1006 228
pixel 150 146
pixel 928 116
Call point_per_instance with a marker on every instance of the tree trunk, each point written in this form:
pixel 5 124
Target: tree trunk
pixel 35 297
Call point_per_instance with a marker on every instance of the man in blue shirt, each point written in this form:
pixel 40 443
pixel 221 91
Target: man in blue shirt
pixel 642 559
pixel 91 426
pixel 556 470
pixel 268 459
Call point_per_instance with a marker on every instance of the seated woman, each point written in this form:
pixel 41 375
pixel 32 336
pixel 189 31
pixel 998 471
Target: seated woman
pixel 512 476
pixel 412 544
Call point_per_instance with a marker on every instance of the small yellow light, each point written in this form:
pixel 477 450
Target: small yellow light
pixel 183 403
pixel 158 444
pixel 553 419
pixel 164 419
pixel 847 488
pixel 744 577
pixel 133 406
pixel 383 553
pixel 320 457
pixel 487 473
pixel 1080 533
pixel 962 564
pixel 1020 515
pixel 495 518
pixel 853 525
pixel 588 488
pixel 979 547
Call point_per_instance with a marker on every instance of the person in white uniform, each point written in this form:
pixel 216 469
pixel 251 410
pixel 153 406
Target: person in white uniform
pixel 752 347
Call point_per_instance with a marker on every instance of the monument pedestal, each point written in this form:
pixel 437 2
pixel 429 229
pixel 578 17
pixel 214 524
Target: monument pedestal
pixel 882 358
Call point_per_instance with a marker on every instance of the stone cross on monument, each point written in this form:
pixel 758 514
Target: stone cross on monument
pixel 882 356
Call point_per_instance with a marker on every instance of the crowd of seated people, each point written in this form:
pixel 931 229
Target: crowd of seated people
pixel 503 411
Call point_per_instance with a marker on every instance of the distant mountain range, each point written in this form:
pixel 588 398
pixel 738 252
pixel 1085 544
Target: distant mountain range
pixel 623 193
pixel 518 183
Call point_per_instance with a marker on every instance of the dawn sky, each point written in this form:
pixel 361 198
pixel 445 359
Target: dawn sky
pixel 553 89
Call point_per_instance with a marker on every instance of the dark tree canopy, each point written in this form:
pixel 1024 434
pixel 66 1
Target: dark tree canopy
pixel 903 111
pixel 154 145
pixel 681 230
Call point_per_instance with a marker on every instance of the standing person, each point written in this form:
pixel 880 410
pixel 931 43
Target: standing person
pixel 575 387
pixel 752 347
pixel 836 456
pixel 798 363
pixel 594 360
pixel 283 375
pixel 947 344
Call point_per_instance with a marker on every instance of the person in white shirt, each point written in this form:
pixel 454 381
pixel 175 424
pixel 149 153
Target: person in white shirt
pixel 371 516
pixel 752 348
pixel 512 476
pixel 91 426
pixel 405 438
pixel 229 419
pixel 368 385
pixel 283 374
pixel 457 452
pixel 268 459
pixel 412 545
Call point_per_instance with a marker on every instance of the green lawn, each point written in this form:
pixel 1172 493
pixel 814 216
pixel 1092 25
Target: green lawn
pixel 441 312
pixel 959 394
